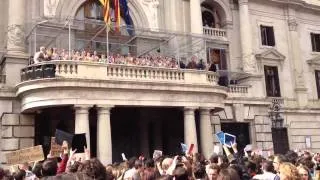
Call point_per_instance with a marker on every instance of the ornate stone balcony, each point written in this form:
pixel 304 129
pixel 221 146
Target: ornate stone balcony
pixel 71 82
pixel 100 71
pixel 214 32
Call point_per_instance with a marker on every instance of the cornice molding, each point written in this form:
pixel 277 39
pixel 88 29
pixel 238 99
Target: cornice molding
pixel 298 3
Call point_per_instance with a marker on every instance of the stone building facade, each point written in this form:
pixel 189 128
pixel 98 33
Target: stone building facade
pixel 271 51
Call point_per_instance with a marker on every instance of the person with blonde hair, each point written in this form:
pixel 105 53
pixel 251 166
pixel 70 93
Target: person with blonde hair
pixel 304 173
pixel 288 172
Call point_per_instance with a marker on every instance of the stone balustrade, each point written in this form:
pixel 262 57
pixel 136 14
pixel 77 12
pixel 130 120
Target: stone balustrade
pixel 100 71
pixel 238 90
pixel 214 32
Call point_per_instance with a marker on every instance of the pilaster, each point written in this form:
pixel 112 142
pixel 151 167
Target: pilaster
pixel 248 59
pixel 300 89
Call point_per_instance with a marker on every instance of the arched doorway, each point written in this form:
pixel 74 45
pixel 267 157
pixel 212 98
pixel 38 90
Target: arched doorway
pixel 213 15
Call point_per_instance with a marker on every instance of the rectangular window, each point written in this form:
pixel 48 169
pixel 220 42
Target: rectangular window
pixel 272 81
pixel 218 58
pixel 315 40
pixel 267 35
pixel 317 73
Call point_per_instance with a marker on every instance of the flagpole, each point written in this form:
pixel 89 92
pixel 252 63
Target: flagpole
pixel 69 40
pixel 107 40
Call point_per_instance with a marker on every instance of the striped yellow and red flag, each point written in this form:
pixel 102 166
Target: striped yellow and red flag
pixel 117 15
pixel 106 10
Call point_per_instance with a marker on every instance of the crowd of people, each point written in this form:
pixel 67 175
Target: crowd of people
pixel 147 60
pixel 231 166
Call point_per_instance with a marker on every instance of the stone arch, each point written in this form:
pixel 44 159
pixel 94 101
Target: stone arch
pixel 223 9
pixel 69 8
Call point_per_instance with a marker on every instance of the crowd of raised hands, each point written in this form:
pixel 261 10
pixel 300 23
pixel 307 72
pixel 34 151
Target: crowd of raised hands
pixel 231 165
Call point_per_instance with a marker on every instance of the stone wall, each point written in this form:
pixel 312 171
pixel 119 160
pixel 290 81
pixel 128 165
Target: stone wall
pixel 262 127
pixel 302 126
pixel 17 132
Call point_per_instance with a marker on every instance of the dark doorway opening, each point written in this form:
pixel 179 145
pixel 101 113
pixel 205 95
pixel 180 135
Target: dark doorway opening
pixel 135 130
pixel 280 140
pixel 140 130
pixel 240 130
pixel 48 120
pixel 93 131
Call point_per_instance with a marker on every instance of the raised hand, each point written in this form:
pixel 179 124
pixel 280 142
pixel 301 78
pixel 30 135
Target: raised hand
pixel 87 153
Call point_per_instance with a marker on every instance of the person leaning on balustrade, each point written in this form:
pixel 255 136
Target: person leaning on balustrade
pixel 40 55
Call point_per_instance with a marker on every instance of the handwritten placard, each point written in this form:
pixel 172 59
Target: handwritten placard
pixel 31 154
pixel 56 149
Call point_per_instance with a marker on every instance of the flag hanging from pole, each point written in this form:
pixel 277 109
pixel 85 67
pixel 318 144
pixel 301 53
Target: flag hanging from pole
pixel 117 15
pixel 126 15
pixel 106 10
pixel 125 9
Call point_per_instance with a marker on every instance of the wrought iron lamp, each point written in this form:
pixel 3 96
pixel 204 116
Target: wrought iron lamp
pixel 275 115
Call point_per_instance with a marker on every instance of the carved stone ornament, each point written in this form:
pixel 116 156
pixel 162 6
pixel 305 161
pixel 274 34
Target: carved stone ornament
pixel 16 35
pixel 292 23
pixel 152 7
pixel 50 7
pixel 249 64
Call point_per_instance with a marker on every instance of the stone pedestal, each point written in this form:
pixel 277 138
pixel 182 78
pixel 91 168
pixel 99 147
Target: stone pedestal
pixel 190 132
pixel 206 134
pixel 82 121
pixel 104 140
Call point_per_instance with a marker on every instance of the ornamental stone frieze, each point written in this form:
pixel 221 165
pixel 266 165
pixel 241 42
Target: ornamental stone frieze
pixel 151 8
pixel 50 7
pixel 249 63
pixel 16 36
pixel 292 23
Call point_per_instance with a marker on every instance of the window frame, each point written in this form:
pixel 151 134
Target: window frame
pixel 315 47
pixel 277 81
pixel 267 36
pixel 317 78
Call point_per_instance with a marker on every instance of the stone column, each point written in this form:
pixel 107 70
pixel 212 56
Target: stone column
pixel 16 59
pixel 104 140
pixel 206 134
pixel 82 121
pixel 196 17
pixel 301 90
pixel 248 59
pixel 16 27
pixel 190 131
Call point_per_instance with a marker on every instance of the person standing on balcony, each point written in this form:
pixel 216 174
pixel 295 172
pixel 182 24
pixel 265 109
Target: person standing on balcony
pixel 40 55
pixel 55 55
pixel 192 64
pixel 201 65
